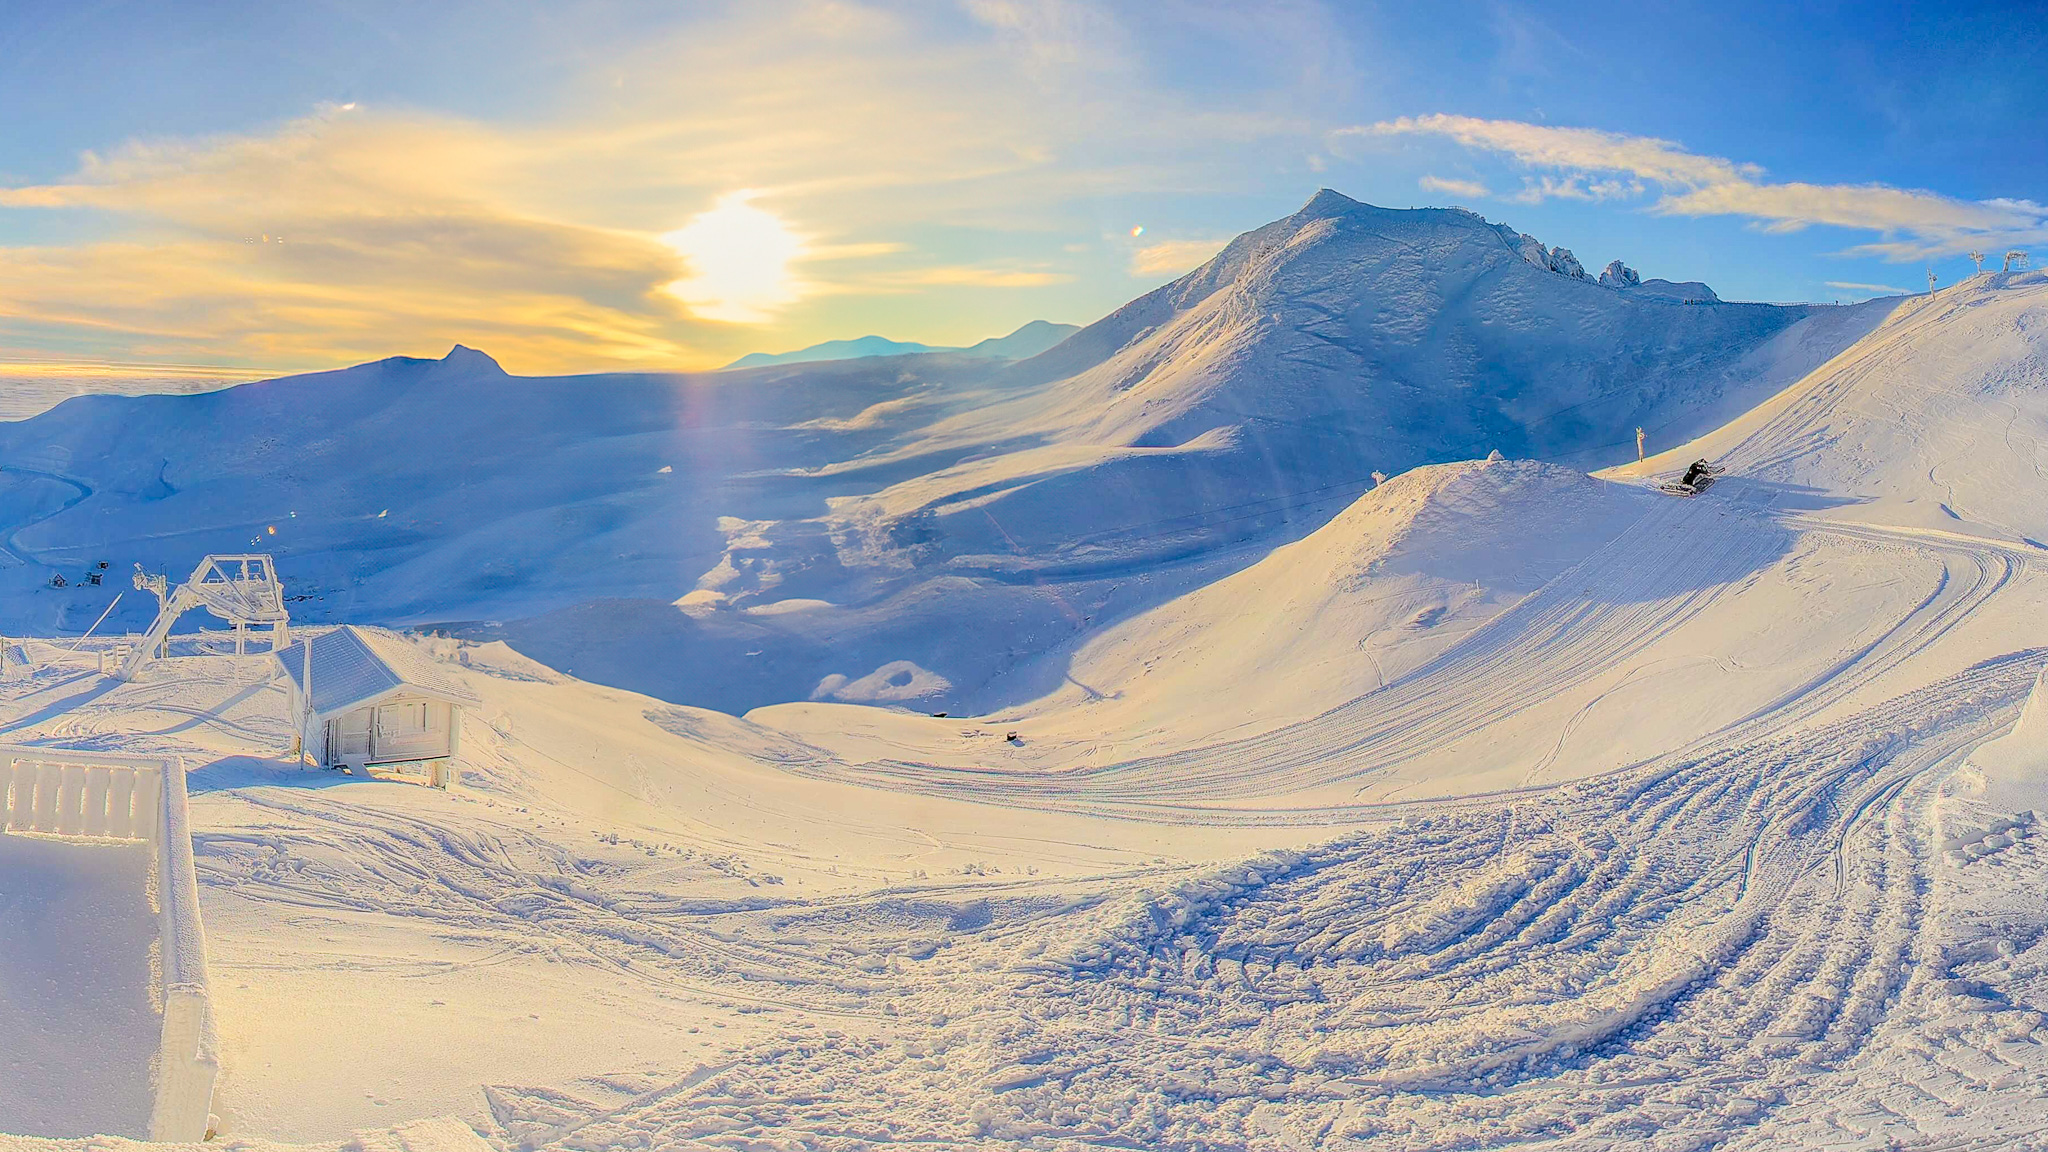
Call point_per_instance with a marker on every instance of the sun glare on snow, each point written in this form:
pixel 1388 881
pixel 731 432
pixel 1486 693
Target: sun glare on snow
pixel 739 257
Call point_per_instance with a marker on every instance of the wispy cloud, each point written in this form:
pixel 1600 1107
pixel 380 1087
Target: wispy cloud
pixel 1173 257
pixel 1873 289
pixel 1470 189
pixel 896 145
pixel 1588 164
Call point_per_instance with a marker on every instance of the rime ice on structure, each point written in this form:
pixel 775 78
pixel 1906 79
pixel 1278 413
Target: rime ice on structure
pixel 1619 275
pixel 241 589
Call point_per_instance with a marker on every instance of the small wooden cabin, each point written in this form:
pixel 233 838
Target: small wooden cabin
pixel 375 700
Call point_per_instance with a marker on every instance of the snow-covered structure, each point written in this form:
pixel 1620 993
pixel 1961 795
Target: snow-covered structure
pixel 241 589
pixel 374 700
pixel 69 802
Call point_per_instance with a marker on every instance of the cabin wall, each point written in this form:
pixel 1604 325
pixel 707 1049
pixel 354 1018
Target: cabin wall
pixel 395 730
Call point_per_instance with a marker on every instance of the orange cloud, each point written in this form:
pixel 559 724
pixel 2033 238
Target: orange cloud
pixel 358 232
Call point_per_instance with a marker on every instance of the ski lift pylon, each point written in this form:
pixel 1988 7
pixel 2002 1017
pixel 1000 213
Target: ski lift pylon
pixel 242 589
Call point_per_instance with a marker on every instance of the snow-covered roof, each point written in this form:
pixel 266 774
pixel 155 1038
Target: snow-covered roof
pixel 354 665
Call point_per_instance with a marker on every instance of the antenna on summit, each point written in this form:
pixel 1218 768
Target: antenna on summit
pixel 1930 281
pixel 1979 258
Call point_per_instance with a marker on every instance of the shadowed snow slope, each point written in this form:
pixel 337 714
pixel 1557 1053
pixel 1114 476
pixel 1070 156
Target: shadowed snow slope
pixel 901 528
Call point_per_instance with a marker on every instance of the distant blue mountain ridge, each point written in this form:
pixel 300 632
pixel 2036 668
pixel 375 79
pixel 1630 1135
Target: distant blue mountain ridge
pixel 1024 343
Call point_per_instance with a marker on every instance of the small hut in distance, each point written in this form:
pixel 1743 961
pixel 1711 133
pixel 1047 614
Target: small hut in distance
pixel 375 700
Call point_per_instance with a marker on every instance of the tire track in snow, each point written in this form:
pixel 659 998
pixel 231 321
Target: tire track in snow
pixel 1667 953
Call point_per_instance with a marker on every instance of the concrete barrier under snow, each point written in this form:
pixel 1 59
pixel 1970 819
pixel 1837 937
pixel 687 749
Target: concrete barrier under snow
pixel 98 796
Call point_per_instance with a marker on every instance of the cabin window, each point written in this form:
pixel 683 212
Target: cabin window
pixel 402 719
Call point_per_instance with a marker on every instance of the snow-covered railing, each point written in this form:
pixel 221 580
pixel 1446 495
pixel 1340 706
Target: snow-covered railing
pixel 97 795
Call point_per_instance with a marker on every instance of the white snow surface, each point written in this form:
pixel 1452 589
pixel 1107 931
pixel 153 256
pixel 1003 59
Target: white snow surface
pixel 966 516
pixel 77 1003
pixel 1504 807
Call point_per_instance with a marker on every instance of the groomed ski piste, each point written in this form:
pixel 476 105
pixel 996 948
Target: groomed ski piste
pixel 1510 807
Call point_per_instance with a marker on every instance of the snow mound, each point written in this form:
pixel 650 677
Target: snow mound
pixel 1683 291
pixel 2011 772
pixel 1395 579
pixel 894 681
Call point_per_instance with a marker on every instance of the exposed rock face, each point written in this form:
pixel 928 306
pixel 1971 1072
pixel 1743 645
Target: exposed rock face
pixel 1558 260
pixel 1619 275
pixel 1564 263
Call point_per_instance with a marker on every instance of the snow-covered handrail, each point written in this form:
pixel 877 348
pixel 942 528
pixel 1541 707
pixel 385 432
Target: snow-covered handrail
pixel 103 796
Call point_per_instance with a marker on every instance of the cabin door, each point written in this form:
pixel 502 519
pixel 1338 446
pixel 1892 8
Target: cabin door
pixel 348 738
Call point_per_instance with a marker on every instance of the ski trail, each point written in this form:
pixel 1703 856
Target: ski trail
pixel 10 542
pixel 1680 950
pixel 1663 570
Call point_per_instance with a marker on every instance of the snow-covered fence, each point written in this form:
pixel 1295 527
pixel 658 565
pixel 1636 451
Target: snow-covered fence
pixel 92 794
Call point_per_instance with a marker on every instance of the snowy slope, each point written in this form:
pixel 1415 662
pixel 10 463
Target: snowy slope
pixel 1509 807
pixel 896 529
pixel 1252 398
pixel 437 490
pixel 1406 571
pixel 1339 341
pixel 1933 421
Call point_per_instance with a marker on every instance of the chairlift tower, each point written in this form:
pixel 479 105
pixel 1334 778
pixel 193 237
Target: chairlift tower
pixel 241 589
pixel 1978 257
pixel 2015 260
pixel 1930 281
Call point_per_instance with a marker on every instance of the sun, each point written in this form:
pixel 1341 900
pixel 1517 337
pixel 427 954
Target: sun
pixel 740 259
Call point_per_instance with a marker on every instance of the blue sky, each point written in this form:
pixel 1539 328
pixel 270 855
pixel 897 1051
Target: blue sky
pixel 589 186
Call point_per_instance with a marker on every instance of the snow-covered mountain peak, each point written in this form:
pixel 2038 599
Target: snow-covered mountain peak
pixel 1234 409
pixel 1328 202
pixel 462 358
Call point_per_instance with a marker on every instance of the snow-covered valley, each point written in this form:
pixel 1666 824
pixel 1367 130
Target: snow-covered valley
pixel 1089 753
